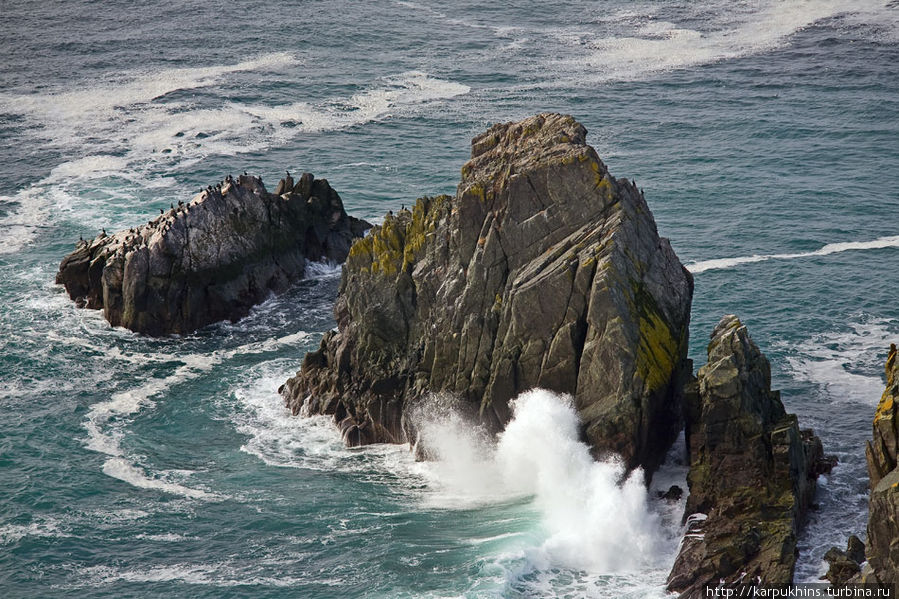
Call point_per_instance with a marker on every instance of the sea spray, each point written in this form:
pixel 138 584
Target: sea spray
pixel 593 515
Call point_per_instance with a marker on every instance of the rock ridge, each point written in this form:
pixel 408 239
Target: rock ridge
pixel 212 258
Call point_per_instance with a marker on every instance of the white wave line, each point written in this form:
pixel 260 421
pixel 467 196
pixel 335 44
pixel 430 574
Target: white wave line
pixel 831 248
pixel 104 420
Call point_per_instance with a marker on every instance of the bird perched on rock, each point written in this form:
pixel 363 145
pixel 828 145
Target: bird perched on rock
pixel 161 211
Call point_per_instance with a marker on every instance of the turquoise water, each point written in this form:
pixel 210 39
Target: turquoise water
pixel 765 135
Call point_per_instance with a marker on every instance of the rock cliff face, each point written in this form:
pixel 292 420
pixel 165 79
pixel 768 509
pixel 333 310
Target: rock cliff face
pixel 210 259
pixel 542 271
pixel 752 472
pixel 883 519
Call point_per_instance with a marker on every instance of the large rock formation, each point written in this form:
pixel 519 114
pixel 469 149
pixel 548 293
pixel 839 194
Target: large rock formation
pixel 542 271
pixel 883 518
pixel 211 259
pixel 752 472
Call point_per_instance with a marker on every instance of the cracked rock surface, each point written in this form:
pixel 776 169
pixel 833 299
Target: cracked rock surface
pixel 542 271
pixel 212 258
pixel 882 453
pixel 752 472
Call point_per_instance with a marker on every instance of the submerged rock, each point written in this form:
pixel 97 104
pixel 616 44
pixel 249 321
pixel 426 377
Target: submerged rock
pixel 211 259
pixel 542 271
pixel 752 472
pixel 883 517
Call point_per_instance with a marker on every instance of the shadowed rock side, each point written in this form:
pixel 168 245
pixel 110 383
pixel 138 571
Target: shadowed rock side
pixel 542 271
pixel 752 472
pixel 881 452
pixel 210 259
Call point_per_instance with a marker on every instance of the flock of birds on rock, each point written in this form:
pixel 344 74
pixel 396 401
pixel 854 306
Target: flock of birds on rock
pixel 168 218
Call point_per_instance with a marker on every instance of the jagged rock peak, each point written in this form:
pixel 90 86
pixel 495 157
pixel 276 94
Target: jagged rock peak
pixel 752 472
pixel 542 271
pixel 212 258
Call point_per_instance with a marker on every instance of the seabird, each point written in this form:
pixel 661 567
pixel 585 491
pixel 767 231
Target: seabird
pixel 161 211
pixel 180 203
pixel 171 206
pixel 104 231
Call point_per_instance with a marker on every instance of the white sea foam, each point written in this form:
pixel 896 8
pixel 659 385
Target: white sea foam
pixel 134 475
pixel 42 527
pixel 648 46
pixel 126 129
pixel 221 574
pixel 107 421
pixel 891 241
pixel 316 270
pixel 846 364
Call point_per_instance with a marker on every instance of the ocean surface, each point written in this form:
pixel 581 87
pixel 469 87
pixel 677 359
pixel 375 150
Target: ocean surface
pixel 765 134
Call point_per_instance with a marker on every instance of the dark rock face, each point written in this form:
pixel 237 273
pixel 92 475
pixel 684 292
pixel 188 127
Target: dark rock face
pixel 883 517
pixel 752 472
pixel 542 271
pixel 845 565
pixel 210 259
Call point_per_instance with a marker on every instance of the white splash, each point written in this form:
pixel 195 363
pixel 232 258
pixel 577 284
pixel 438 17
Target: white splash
pixel 592 516
pixel 891 241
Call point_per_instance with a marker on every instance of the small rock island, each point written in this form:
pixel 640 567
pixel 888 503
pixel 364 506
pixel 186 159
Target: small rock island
pixel 212 258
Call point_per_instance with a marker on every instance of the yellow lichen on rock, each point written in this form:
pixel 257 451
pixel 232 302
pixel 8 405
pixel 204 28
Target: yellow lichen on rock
pixel 657 351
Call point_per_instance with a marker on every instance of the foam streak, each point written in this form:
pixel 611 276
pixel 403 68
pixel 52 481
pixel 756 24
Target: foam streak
pixel 831 248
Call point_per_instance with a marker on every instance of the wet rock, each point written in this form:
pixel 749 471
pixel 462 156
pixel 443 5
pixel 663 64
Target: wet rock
pixel 542 271
pixel 855 549
pixel 845 566
pixel 211 259
pixel 752 472
pixel 674 493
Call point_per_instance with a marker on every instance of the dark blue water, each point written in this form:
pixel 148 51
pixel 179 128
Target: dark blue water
pixel 764 133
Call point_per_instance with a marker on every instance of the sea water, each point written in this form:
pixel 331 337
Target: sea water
pixel 765 134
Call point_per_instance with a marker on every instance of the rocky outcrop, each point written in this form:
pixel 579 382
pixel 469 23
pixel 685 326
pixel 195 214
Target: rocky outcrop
pixel 844 566
pixel 211 259
pixel 881 453
pixel 752 472
pixel 542 271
